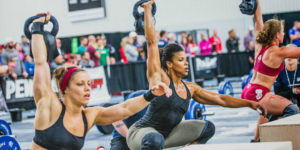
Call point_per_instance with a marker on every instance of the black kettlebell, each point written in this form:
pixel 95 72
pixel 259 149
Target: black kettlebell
pixel 139 17
pixel 248 7
pixel 49 37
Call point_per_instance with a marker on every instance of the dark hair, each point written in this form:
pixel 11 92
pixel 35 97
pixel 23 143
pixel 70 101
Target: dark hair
pixel 189 35
pixel 266 36
pixel 167 53
pixel 162 33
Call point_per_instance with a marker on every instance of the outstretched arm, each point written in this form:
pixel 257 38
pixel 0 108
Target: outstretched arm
pixel 206 97
pixel 41 81
pixel 153 63
pixel 128 108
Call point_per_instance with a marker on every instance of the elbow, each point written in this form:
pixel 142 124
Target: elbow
pixel 151 42
pixel 222 101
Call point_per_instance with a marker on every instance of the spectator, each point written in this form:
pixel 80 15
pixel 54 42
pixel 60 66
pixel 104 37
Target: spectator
pixel 183 35
pixel 184 45
pixel 171 38
pixel 232 42
pixel 92 41
pixel 216 42
pixel 58 45
pixel 104 54
pixel 18 47
pixel 83 45
pixel 10 53
pixel 287 84
pixel 249 38
pixel 1 52
pixel 111 51
pixel 294 33
pixel 192 45
pixel 205 46
pixel 57 62
pixel 251 52
pixel 29 64
pixel 95 56
pixel 131 51
pixel 11 69
pixel 25 45
pixel 138 44
pixel 86 62
pixel 163 39
pixel 75 58
pixel 122 50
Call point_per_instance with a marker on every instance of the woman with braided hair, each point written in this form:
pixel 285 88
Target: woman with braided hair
pixel 269 62
pixel 64 124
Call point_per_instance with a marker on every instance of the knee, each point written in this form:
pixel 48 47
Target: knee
pixel 290 110
pixel 207 133
pixel 153 141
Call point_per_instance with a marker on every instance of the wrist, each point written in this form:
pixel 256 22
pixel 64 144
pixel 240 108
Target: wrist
pixel 37 28
pixel 148 96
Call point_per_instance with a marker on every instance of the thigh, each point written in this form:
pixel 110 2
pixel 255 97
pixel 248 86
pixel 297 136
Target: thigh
pixel 135 135
pixel 185 132
pixel 118 143
pixel 275 104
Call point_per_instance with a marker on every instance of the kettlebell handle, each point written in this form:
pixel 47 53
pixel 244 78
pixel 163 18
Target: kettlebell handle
pixel 53 20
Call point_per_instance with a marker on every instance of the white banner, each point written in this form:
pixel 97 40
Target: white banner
pixel 99 94
pixel 22 89
pixel 99 86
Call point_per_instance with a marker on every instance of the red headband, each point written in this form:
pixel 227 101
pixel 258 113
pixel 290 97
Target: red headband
pixel 66 78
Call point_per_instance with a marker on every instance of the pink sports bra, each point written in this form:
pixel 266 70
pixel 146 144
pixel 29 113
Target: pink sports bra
pixel 263 68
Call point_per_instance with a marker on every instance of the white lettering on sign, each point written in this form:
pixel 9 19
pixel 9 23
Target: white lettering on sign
pixel 10 88
pixel 21 88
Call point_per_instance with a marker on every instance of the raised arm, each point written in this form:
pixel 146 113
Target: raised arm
pixel 41 81
pixel 258 19
pixel 153 62
pixel 128 108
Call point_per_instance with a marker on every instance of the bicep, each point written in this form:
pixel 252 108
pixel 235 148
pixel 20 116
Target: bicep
pixel 42 81
pixel 206 97
pixel 108 115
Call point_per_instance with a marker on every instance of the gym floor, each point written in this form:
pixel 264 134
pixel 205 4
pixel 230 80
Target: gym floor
pixel 233 125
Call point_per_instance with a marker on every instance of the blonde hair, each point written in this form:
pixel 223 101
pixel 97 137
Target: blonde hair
pixel 60 72
pixel 269 31
pixel 124 41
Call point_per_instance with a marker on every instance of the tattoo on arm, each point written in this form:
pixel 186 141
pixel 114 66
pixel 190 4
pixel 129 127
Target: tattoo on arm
pixel 119 125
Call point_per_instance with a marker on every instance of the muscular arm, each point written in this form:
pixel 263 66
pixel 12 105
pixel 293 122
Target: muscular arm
pixel 153 62
pixel 258 19
pixel 121 127
pixel 206 97
pixel 121 111
pixel 41 81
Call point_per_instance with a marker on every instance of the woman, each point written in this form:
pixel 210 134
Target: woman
pixel 162 125
pixel 192 45
pixel 64 124
pixel 268 64
pixel 205 46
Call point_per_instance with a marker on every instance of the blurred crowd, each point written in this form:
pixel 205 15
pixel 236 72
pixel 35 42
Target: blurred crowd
pixel 94 51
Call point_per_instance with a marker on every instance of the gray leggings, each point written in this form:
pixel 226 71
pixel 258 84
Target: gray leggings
pixel 184 133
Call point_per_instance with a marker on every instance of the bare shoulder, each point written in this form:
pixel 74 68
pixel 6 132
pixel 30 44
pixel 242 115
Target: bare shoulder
pixel 92 114
pixel 193 87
